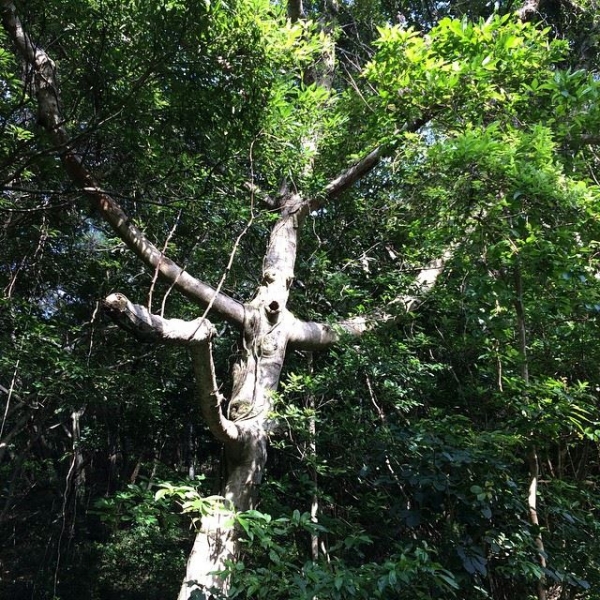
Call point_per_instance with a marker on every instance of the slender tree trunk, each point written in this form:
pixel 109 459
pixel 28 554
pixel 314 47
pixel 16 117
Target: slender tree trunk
pixel 311 450
pixel 79 478
pixel 532 456
pixel 534 472
pixel 191 451
pixel 314 504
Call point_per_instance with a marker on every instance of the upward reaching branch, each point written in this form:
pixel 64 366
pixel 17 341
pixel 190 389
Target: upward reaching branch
pixel 47 92
pixel 366 164
pixel 354 173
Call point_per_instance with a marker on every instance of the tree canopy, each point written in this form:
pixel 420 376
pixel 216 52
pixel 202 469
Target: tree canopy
pixel 374 226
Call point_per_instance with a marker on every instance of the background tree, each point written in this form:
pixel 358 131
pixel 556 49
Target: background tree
pixel 457 147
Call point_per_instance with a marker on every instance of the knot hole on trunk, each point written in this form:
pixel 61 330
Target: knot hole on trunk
pixel 273 309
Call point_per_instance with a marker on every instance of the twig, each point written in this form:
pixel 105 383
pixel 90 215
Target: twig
pixel 163 253
pixel 10 393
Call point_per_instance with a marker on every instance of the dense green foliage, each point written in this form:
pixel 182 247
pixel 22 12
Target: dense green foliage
pixel 415 440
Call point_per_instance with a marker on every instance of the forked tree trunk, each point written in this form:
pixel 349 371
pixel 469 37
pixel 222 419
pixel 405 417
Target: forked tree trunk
pixel 241 423
pixel 266 324
pixel 267 328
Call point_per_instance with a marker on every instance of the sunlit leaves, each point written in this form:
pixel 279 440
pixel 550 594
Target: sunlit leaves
pixel 275 567
pixel 474 69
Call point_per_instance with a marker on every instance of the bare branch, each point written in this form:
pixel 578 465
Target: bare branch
pixel 252 187
pixel 425 280
pixel 10 393
pixel 15 430
pixel 318 336
pixel 197 336
pixel 354 173
pixel 157 269
pixel 211 399
pixel 50 117
pixel 366 164
pixel 256 191
pixel 145 326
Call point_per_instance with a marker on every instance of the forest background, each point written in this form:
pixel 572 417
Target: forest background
pixel 419 180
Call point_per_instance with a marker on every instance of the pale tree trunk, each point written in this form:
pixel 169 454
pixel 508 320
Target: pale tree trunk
pixel 79 478
pixel 267 327
pixel 242 423
pixel 532 456
pixel 266 331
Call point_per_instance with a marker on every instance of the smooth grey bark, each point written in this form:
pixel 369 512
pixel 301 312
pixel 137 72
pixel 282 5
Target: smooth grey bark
pixel 241 423
pixel 265 322
pixel 266 330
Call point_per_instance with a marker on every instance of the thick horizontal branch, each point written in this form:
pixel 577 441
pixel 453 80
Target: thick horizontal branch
pixel 50 117
pixel 309 335
pixel 197 336
pixel 147 327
